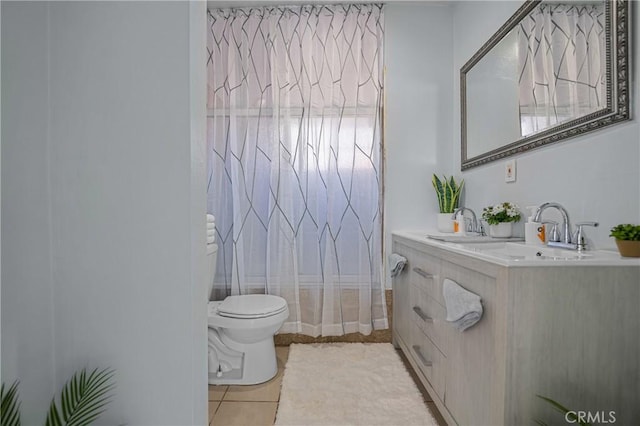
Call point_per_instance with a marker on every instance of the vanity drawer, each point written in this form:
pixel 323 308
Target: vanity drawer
pixel 425 273
pixel 429 316
pixel 430 361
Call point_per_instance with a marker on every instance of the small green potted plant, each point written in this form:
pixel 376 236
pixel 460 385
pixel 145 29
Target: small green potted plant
pixel 448 192
pixel 500 218
pixel 627 239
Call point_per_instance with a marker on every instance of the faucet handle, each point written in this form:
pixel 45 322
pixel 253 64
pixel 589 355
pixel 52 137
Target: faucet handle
pixel 481 229
pixel 578 237
pixel 471 225
pixel 594 224
pixel 554 235
pixel 468 224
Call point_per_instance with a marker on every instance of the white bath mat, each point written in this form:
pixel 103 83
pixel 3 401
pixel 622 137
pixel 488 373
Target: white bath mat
pixel 349 384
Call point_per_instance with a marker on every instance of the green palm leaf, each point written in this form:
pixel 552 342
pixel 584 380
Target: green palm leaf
pixel 83 398
pixel 9 406
pixel 570 415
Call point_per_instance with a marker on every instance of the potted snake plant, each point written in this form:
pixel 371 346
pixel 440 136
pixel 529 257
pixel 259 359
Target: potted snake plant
pixel 627 239
pixel 448 192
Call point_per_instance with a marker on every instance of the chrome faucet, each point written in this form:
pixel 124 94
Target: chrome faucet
pixel 575 242
pixel 475 225
pixel 566 225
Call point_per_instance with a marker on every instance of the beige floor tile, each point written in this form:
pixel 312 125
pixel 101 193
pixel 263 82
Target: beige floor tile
pixel 268 391
pixel 245 414
pixel 282 355
pixel 216 392
pixel 213 406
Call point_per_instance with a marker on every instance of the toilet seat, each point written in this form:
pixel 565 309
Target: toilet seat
pixel 251 306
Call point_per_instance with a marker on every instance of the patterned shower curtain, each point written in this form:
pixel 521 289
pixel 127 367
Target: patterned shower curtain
pixel 294 141
pixel 562 65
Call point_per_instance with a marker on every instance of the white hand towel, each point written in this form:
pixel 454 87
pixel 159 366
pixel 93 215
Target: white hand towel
pixel 211 232
pixel 211 218
pixel 464 308
pixel 211 225
pixel 396 264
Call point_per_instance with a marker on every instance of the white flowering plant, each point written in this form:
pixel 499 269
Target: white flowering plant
pixel 502 212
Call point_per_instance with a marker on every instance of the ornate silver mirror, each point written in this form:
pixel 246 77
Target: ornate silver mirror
pixel 554 70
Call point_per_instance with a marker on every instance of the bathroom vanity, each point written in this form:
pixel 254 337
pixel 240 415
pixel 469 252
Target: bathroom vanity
pixel 555 323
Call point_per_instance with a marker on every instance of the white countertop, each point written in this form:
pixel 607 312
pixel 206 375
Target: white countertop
pixel 517 254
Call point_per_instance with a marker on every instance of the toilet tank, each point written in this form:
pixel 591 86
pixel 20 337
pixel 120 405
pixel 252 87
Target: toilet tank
pixel 212 257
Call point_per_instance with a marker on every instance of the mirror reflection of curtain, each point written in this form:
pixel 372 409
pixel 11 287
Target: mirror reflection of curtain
pixel 294 141
pixel 562 64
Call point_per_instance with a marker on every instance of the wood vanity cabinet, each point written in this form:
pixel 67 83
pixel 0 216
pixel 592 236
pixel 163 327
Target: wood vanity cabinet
pixel 568 333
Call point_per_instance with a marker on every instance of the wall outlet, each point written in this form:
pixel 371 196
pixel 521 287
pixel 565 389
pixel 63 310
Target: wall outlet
pixel 510 171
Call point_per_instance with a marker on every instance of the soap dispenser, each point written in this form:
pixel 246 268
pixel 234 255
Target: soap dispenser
pixel 534 232
pixel 459 227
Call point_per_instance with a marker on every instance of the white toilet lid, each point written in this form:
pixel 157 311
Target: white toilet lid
pixel 251 306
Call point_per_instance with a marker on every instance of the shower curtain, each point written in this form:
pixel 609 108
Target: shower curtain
pixel 294 142
pixel 562 66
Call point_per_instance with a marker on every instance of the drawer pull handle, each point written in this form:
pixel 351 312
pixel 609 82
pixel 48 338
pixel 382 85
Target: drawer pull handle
pixel 423 360
pixel 424 317
pixel 422 273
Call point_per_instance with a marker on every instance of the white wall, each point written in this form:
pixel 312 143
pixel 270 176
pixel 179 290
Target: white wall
pixel 595 176
pixel 101 229
pixel 418 120
pixel 198 203
pixel 27 284
pixel 0 196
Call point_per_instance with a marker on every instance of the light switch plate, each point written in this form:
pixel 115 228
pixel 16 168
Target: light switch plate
pixel 510 171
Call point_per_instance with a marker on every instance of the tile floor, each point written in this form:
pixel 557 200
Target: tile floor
pixel 257 405
pixel 248 405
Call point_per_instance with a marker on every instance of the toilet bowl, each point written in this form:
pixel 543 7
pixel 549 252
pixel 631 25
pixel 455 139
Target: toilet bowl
pixel 241 329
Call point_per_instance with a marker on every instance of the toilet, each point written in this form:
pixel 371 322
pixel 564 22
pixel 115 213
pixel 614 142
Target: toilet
pixel 241 329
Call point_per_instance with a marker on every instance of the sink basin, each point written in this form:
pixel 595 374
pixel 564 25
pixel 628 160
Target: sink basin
pixel 469 238
pixel 519 251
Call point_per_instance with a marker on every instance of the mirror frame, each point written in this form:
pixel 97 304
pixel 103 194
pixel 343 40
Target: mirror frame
pixel 617 87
